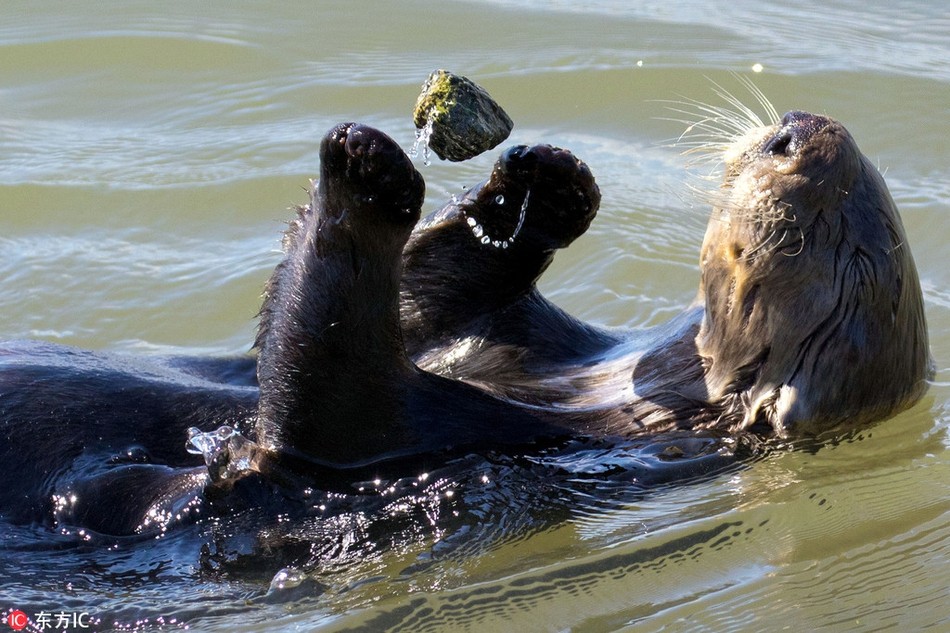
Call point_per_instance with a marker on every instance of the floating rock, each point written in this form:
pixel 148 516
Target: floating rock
pixel 459 117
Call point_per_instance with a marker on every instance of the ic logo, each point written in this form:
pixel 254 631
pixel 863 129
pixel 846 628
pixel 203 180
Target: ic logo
pixel 17 620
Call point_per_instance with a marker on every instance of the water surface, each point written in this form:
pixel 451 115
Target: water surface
pixel 148 156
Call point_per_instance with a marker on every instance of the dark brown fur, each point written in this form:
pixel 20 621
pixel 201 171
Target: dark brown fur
pixel 337 388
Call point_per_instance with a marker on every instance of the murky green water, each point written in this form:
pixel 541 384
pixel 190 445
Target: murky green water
pixel 149 152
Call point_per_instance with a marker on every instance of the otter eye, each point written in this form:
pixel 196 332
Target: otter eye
pixel 778 145
pixel 499 199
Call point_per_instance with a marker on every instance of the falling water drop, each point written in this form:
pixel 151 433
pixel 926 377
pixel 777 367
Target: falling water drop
pixel 422 140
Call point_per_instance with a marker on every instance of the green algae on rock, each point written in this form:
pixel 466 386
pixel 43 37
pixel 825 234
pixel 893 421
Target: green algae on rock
pixel 460 117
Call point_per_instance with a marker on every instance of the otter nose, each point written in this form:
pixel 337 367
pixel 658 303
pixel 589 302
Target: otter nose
pixel 780 144
pixel 794 116
pixel 797 127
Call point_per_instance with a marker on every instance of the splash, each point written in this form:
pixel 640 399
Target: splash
pixel 479 231
pixel 422 140
pixel 226 452
pixel 287 578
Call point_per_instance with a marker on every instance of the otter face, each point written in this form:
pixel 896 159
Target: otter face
pixel 780 180
pixel 541 195
pixel 812 296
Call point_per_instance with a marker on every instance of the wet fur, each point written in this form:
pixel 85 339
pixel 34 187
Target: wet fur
pixel 98 439
pixel 817 279
pixel 337 387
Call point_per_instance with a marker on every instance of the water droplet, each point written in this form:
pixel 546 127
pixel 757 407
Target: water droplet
pixel 226 452
pixel 482 236
pixel 287 578
pixel 422 140
pixel 207 444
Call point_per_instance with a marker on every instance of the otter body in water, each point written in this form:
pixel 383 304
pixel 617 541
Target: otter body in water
pixel 809 314
pixel 97 440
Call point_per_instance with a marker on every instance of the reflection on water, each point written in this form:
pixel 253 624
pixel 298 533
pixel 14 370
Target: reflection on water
pixel 148 154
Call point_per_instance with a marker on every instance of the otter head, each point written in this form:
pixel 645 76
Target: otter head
pixel 814 316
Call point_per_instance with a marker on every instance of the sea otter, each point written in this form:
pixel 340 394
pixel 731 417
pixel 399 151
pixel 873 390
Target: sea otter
pixel 97 440
pixel 804 263
pixel 809 314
